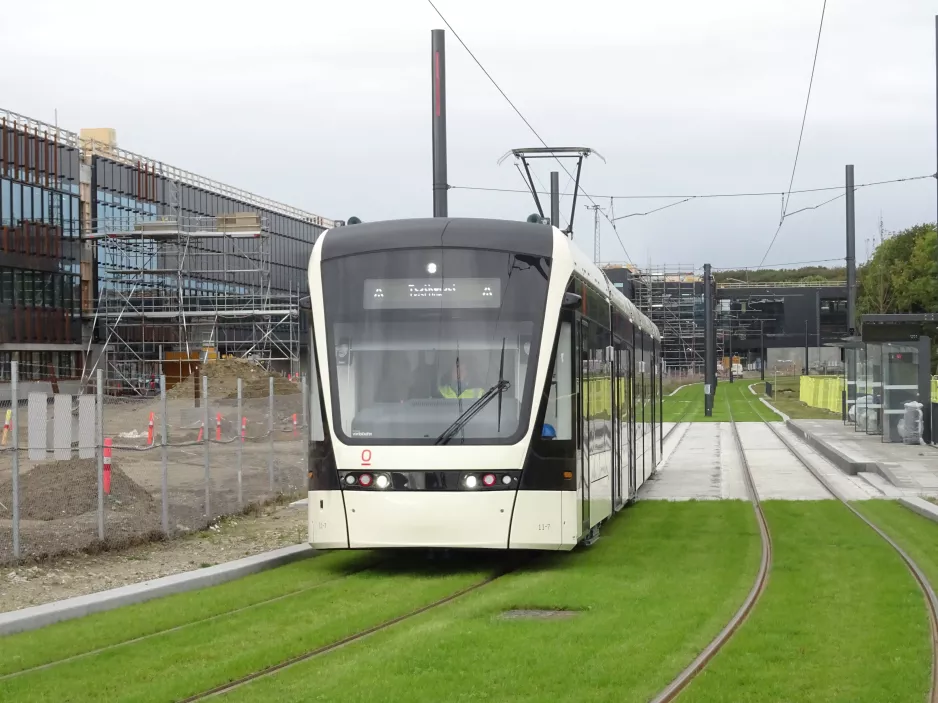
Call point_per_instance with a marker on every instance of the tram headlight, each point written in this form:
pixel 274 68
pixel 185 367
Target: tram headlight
pixel 365 480
pixel 471 481
pixel 350 480
pixel 431 268
pixel 382 481
pixel 489 479
pixel 506 479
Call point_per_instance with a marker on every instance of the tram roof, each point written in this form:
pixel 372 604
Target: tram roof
pixel 469 232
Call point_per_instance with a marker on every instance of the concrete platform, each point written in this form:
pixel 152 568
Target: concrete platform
pixel 922 507
pixel 911 468
pixel 70 608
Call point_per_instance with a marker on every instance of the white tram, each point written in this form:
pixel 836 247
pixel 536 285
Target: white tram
pixel 474 383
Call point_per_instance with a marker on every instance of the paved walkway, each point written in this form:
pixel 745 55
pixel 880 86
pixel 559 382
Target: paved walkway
pixel 700 463
pixel 910 468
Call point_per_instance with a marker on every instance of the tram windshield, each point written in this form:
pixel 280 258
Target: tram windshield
pixel 416 336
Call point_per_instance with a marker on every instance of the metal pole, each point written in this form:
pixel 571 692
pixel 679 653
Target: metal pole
pixel 555 199
pixel 164 422
pixel 239 444
pixel 762 347
pixel 806 348
pixel 270 432
pixel 731 349
pixel 15 403
pixel 206 430
pixel 851 254
pixel 709 339
pixel 438 73
pixel 306 430
pixel 99 413
pixel 818 325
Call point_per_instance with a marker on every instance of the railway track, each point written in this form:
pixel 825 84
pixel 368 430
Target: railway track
pixel 350 639
pixel 673 689
pixel 931 600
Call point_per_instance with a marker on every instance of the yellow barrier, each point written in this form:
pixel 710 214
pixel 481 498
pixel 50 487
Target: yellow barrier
pixel 821 392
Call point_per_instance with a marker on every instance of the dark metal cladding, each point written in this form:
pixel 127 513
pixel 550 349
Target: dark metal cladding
pixel 470 233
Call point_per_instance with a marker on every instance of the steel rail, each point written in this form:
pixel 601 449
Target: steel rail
pixel 931 600
pixel 338 644
pixel 673 689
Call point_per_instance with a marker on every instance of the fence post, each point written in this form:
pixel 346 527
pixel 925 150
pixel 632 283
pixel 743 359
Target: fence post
pixel 270 434
pixel 240 444
pixel 163 438
pixel 99 444
pixel 14 400
pixel 205 435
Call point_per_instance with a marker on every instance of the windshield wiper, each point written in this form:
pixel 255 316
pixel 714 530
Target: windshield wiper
pixel 472 410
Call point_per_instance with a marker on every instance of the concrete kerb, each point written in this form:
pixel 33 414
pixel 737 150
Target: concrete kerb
pixel 839 459
pixel 922 507
pixel 767 404
pixel 79 606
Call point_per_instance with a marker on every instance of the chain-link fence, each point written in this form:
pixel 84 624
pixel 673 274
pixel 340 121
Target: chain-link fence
pixel 79 470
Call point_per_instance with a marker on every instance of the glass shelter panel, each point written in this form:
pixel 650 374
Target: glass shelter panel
pixel 900 386
pixel 850 378
pixel 873 400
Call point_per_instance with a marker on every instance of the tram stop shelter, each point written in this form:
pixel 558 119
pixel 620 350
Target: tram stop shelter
pixel 885 367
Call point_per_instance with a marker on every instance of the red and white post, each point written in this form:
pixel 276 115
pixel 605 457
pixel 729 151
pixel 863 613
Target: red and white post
pixel 218 427
pixel 150 431
pixel 107 465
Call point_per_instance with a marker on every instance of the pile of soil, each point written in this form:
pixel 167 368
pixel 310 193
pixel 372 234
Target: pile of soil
pixel 64 489
pixel 223 375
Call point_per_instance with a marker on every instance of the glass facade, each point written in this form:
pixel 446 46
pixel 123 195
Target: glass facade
pixel 39 241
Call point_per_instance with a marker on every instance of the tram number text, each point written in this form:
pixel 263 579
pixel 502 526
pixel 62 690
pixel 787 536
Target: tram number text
pixel 543 527
pixel 366 457
pixel 322 525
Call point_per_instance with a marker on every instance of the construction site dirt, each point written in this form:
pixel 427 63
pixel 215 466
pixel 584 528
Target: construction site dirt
pixel 58 500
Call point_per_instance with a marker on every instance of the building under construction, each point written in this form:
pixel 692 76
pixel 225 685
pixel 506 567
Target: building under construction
pixel 673 298
pixel 152 267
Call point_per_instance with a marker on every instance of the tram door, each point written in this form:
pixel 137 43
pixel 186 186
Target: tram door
pixel 630 419
pixel 615 373
pixel 583 412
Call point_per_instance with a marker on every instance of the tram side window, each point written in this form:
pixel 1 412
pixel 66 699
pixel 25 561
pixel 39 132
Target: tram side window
pixel 559 415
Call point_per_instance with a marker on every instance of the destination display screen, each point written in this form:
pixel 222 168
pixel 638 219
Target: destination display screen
pixel 420 293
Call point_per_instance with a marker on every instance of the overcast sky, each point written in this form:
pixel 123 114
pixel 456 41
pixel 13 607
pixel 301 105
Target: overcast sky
pixel 326 106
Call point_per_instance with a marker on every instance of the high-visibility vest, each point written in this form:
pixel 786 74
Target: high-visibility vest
pixel 449 392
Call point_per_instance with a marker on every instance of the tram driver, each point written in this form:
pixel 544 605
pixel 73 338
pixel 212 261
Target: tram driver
pixel 460 382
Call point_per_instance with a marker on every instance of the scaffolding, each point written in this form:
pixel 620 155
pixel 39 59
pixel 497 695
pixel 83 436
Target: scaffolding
pixel 174 292
pixel 177 290
pixel 672 297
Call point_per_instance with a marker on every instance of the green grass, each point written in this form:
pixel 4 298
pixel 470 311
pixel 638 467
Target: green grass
pixel 657 587
pixel 29 649
pixel 178 663
pixel 917 535
pixel 841 619
pixel 785 398
pixel 746 406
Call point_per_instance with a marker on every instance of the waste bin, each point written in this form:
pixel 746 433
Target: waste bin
pixel 911 429
pixel 768 389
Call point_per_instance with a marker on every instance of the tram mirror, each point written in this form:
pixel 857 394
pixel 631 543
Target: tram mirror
pixel 571 301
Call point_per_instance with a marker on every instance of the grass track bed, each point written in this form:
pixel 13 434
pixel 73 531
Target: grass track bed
pixel 746 407
pixel 176 664
pixel 657 587
pixel 785 398
pixel 842 619
pixel 917 535
pixel 75 637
